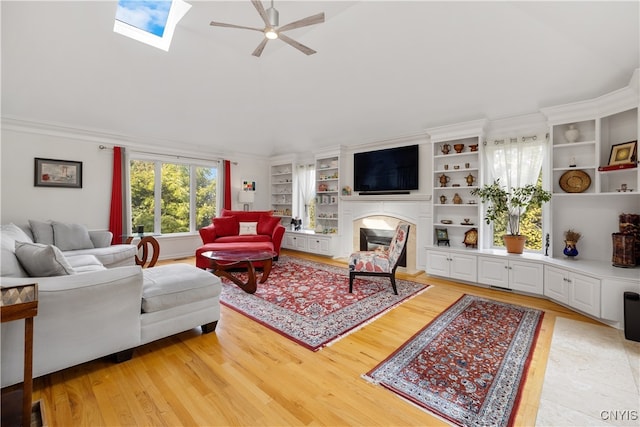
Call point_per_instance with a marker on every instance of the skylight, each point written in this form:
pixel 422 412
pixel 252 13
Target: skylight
pixel 150 21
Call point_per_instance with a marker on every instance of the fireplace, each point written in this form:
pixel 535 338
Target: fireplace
pixel 384 213
pixel 373 238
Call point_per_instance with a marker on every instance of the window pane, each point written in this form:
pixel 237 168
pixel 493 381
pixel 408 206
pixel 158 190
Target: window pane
pixel 175 199
pixel 206 179
pixel 142 178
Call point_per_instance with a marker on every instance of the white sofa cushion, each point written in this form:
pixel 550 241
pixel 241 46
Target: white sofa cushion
pixel 85 263
pixel 9 264
pixel 42 231
pixel 70 237
pixel 41 260
pixel 172 285
pixel 111 256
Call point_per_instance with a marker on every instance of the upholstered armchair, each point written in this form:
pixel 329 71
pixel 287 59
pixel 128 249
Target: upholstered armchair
pixel 380 263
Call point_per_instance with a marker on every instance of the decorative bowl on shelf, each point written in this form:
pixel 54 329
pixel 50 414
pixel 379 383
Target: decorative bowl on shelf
pixel 446 221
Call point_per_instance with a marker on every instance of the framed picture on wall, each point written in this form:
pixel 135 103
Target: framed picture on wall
pixel 57 173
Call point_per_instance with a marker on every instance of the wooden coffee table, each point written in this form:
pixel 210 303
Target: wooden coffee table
pixel 222 261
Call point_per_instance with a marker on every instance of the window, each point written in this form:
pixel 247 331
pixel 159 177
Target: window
pixel 171 197
pixel 151 22
pixel 305 191
pixel 517 161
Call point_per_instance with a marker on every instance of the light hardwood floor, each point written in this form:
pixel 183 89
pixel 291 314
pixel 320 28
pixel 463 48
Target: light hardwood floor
pixel 245 374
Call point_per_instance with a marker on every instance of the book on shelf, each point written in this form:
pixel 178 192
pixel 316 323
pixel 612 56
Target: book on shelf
pixel 617 167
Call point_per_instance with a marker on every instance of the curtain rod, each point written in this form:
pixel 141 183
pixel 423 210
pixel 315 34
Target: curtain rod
pixel 524 139
pixel 104 147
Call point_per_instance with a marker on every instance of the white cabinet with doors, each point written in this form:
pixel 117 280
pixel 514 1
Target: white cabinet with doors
pixel 452 264
pixel 576 290
pixel 519 275
pixel 308 241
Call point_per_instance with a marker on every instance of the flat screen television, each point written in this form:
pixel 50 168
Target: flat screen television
pixel 392 170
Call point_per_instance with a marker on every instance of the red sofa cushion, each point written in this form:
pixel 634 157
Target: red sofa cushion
pixel 243 238
pixel 245 216
pixel 267 223
pixel 226 226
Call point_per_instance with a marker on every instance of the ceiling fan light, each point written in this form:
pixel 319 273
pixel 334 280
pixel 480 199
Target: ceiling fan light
pixel 271 34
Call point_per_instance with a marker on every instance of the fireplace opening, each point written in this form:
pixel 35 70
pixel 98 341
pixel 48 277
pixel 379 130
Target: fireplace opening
pixel 372 239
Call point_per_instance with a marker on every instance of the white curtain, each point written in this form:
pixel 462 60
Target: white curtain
pixel 515 161
pixel 306 180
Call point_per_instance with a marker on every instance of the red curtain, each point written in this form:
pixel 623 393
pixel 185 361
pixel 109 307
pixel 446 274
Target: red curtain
pixel 227 184
pixel 115 215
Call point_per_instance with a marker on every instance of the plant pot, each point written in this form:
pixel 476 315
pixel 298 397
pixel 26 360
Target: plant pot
pixel 514 244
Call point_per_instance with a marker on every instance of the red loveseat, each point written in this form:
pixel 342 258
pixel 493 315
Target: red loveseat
pixel 240 230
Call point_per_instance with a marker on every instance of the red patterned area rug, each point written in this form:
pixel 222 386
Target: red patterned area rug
pixel 310 303
pixel 468 365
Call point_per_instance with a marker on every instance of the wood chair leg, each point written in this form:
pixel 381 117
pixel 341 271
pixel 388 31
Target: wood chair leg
pixel 351 282
pixel 393 284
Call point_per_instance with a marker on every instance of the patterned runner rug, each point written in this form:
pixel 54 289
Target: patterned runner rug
pixel 310 303
pixel 468 365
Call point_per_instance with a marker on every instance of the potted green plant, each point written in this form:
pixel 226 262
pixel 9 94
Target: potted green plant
pixel 510 203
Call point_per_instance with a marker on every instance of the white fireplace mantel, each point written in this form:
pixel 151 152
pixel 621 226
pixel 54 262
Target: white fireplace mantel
pixel 413 208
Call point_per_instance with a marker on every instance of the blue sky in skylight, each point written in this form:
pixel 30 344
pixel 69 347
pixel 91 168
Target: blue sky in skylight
pixel 147 15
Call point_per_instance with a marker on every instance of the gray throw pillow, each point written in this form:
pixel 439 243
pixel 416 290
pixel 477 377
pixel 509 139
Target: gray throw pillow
pixel 42 260
pixel 42 231
pixel 9 264
pixel 71 237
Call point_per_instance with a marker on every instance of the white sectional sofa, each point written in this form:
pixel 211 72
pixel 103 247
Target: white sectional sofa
pixel 95 302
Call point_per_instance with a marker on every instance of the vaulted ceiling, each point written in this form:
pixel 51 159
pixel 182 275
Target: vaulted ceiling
pixel 384 69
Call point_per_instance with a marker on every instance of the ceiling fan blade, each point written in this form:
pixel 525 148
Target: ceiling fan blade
pixel 222 24
pixel 309 20
pixel 260 47
pixel 263 13
pixel 302 48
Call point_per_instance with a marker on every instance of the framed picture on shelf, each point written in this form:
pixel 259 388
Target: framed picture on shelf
pixel 57 173
pixel 442 236
pixel 623 153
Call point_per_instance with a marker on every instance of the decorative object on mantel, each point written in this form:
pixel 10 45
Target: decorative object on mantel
pixel 346 190
pixel 575 181
pixel 572 134
pixel 510 203
pixel 571 238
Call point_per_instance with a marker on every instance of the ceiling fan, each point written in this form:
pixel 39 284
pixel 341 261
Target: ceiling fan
pixel 271 30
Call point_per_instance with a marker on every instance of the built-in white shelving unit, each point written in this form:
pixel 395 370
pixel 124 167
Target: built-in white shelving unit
pixel 327 194
pixel 282 191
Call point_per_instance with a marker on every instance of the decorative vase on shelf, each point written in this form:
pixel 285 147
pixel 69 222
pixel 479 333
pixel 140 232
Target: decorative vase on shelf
pixel 572 133
pixel 570 249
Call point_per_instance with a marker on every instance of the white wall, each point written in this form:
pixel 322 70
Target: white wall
pixel 20 200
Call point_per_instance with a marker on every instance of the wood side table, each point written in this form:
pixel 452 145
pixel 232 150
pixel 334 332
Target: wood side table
pixel 149 245
pixel 20 302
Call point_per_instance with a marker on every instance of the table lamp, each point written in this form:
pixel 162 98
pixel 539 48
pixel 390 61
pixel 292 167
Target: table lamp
pixel 246 197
